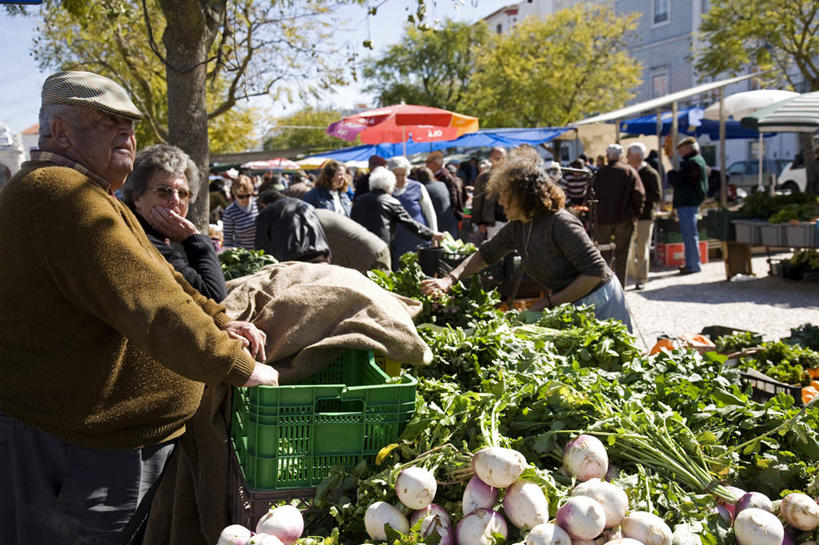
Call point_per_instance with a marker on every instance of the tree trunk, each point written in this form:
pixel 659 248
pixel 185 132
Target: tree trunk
pixel 191 28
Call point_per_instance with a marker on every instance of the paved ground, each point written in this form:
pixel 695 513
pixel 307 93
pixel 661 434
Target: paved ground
pixel 674 304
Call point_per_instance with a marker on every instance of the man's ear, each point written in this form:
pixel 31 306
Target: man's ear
pixel 59 132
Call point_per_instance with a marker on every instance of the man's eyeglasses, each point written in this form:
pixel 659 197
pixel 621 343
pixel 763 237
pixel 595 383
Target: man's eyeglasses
pixel 165 192
pixel 244 196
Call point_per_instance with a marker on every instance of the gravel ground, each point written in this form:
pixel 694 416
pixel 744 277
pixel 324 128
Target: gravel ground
pixel 672 304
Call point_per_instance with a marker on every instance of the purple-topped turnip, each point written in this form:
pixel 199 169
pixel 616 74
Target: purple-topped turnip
pixel 548 534
pixel 611 497
pixel 285 522
pixel 581 517
pixel 753 499
pixel 478 527
pixel 754 526
pixel 235 534
pixel 526 505
pixel 498 466
pixel 416 487
pixel 800 511
pixel 380 514
pixel 585 458
pixel 647 528
pixel 435 519
pixel 478 495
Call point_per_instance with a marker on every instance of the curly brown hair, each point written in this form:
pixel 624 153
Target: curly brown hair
pixel 328 172
pixel 528 185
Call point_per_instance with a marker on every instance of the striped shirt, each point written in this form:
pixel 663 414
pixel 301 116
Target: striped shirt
pixel 238 226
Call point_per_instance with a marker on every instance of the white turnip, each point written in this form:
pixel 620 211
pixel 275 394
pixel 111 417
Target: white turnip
pixel 646 528
pixel 526 505
pixel 235 534
pixel 285 522
pixel 726 515
pixel 264 539
pixel 416 487
pixel 753 499
pixel 581 517
pixel 478 527
pixel 380 514
pixel 757 527
pixel 800 511
pixel 624 541
pixel 613 499
pixel 585 457
pixel 548 534
pixel 435 519
pixel 478 495
pixel 497 466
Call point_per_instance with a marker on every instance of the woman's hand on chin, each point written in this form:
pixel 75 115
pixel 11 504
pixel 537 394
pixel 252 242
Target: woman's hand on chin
pixel 171 224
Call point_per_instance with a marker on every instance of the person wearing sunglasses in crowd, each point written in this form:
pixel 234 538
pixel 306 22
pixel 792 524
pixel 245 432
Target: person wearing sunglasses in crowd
pixel 239 218
pixel 158 191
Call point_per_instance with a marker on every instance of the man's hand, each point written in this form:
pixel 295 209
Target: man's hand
pixel 252 338
pixel 263 375
pixel 171 224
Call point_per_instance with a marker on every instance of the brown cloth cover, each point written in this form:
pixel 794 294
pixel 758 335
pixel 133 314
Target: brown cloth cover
pixel 311 313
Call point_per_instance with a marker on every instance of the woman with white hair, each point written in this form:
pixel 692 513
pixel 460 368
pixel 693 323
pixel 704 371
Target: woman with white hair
pixel 380 212
pixel 415 199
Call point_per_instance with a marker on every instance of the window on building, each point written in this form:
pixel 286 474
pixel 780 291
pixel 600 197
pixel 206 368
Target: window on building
pixel 662 11
pixel 499 28
pixel 659 83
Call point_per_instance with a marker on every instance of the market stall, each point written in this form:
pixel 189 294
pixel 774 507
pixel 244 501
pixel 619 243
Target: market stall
pixel 519 413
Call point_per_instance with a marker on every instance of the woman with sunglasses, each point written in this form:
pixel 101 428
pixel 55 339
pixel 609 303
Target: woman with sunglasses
pixel 239 218
pixel 158 191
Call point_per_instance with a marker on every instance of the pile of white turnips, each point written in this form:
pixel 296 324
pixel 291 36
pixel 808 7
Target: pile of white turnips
pixel 279 526
pixel 594 514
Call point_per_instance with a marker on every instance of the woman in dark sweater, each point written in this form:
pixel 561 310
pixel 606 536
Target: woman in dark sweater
pixel 158 191
pixel 555 248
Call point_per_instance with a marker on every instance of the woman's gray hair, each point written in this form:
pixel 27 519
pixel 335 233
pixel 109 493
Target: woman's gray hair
pixel 399 162
pixel 383 179
pixel 161 158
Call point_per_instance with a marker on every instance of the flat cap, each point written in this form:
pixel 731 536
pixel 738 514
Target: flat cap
pixel 91 90
pixel 687 141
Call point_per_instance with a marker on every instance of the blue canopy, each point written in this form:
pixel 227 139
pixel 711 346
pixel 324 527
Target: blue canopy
pixel 647 124
pixel 482 139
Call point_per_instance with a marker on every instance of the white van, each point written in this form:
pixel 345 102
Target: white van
pixel 793 178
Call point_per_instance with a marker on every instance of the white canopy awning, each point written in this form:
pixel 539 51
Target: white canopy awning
pixel 659 102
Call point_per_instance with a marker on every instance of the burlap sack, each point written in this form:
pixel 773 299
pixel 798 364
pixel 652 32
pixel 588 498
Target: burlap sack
pixel 311 312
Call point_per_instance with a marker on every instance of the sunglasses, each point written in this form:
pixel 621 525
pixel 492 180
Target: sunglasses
pixel 165 192
pixel 245 196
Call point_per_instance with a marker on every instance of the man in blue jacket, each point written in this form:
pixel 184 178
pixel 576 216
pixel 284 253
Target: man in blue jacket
pixel 690 183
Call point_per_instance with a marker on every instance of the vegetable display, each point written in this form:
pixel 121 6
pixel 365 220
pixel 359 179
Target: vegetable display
pixel 582 437
pixel 238 262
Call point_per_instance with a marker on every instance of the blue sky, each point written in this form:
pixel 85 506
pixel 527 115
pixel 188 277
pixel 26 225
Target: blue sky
pixel 22 80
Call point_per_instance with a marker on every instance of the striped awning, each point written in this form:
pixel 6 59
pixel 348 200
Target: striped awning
pixel 795 114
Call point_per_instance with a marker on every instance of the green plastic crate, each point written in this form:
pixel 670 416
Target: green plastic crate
pixel 295 434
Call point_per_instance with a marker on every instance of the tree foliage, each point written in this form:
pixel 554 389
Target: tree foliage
pixel 428 67
pixel 554 71
pixel 293 131
pixel 762 34
pixel 260 48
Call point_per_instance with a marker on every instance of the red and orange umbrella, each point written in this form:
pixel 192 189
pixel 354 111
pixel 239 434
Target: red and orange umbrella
pixel 395 124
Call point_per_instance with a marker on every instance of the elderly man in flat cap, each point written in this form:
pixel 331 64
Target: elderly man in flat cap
pixel 104 349
pixel 690 183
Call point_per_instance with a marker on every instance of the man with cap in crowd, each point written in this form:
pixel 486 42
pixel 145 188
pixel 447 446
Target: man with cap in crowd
pixel 690 184
pixel 104 348
pixel 620 197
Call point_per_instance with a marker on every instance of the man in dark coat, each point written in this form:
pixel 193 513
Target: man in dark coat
pixel 435 162
pixel 638 262
pixel 620 196
pixel 289 230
